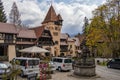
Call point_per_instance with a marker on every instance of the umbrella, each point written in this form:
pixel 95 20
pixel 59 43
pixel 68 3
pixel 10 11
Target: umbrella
pixel 34 49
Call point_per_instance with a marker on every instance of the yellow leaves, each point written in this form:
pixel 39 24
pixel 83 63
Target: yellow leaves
pixel 105 27
pixel 94 36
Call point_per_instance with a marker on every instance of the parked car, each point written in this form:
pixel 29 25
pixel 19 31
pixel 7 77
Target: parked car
pixel 5 69
pixel 62 63
pixel 114 63
pixel 52 66
pixel 28 65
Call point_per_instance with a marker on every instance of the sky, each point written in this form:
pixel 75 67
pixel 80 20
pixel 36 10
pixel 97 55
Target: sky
pixel 73 12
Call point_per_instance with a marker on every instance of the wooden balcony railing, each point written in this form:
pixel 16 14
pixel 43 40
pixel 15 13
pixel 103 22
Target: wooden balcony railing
pixel 3 58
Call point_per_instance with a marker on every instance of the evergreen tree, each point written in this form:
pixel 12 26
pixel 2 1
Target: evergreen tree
pixel 2 13
pixel 15 15
pixel 85 26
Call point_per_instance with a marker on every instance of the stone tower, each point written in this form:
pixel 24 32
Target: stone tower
pixel 53 22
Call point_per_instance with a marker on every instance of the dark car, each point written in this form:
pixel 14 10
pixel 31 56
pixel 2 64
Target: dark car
pixel 114 63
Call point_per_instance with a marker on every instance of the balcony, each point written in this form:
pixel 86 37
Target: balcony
pixel 3 58
pixel 8 40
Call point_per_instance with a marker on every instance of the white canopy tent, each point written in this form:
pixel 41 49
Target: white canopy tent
pixel 34 49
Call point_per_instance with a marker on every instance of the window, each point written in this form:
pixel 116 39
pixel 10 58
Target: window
pixel 70 46
pixel 22 62
pixel 55 33
pixel 45 34
pixel 8 38
pixel 67 61
pixel 56 42
pixel 54 59
pixel 59 60
pixel 56 28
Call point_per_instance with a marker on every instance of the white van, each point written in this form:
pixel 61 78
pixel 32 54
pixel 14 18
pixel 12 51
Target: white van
pixel 28 65
pixel 63 63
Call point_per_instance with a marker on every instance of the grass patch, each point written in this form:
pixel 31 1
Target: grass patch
pixel 104 63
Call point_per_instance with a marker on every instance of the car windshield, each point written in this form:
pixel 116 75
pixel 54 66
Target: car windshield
pixel 33 62
pixel 68 61
pixel 117 59
pixel 3 65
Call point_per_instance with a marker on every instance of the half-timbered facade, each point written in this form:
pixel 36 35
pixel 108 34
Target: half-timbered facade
pixel 25 38
pixel 44 38
pixel 12 39
pixel 8 34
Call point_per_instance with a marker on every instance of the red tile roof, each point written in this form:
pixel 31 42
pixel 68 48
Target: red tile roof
pixel 8 28
pixel 38 31
pixel 25 33
pixel 51 15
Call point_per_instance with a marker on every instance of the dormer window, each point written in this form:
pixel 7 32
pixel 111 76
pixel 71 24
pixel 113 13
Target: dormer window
pixel 60 22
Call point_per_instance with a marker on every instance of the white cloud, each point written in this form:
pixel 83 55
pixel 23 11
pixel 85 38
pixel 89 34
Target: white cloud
pixel 73 15
pixel 34 12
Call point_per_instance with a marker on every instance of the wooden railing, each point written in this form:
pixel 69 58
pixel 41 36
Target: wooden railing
pixel 3 58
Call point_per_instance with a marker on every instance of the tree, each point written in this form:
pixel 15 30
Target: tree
pixel 15 70
pixel 2 13
pixel 15 15
pixel 85 26
pixel 105 27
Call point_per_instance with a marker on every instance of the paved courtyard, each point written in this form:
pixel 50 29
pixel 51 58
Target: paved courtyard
pixel 103 73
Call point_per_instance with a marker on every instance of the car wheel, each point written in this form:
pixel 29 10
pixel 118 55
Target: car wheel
pixel 22 74
pixel 109 66
pixel 59 69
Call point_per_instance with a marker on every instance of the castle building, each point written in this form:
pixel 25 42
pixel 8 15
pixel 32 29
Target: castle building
pixel 14 38
pixel 47 36
pixel 53 22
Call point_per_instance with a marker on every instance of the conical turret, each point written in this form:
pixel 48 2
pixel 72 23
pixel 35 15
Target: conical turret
pixel 51 15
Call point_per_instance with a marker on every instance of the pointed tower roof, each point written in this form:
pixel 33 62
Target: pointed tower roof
pixel 51 15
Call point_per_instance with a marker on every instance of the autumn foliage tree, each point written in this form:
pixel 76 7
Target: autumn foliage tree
pixel 104 29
